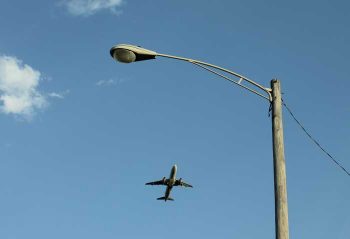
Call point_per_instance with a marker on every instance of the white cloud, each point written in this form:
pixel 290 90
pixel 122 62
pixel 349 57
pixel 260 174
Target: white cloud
pixel 105 82
pixel 59 95
pixel 18 88
pixel 110 82
pixel 56 95
pixel 90 7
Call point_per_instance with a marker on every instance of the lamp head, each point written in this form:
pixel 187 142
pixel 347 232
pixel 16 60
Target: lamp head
pixel 128 53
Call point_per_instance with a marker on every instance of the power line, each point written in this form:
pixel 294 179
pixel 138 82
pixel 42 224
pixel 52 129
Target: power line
pixel 314 140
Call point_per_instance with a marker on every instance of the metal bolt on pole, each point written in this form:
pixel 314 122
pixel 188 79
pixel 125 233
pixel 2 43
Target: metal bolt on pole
pixel 281 205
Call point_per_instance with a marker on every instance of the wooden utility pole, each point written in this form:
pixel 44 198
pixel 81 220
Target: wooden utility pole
pixel 279 164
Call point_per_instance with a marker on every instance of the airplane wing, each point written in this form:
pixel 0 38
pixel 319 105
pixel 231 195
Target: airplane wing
pixel 179 182
pixel 160 182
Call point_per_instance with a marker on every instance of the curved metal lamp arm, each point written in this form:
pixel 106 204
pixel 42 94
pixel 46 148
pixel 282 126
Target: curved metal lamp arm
pixel 209 67
pixel 129 53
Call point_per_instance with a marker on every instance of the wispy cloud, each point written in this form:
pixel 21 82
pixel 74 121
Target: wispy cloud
pixel 105 82
pixel 59 95
pixel 110 82
pixel 90 7
pixel 19 93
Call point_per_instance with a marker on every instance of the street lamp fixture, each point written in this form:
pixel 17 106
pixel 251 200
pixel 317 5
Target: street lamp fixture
pixel 126 53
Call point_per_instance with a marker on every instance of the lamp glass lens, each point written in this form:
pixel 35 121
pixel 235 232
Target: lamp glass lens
pixel 123 55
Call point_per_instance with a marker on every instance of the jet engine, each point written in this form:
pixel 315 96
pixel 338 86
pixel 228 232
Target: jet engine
pixel 164 179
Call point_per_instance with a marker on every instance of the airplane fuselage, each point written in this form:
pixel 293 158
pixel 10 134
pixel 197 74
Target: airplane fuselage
pixel 170 182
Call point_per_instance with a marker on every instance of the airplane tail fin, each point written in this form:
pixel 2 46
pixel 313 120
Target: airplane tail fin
pixel 165 199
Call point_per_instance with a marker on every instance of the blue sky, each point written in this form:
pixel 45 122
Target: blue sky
pixel 81 134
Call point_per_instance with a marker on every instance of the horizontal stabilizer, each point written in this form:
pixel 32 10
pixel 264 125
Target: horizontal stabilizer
pixel 165 199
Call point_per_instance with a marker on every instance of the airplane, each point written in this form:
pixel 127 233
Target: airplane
pixel 169 183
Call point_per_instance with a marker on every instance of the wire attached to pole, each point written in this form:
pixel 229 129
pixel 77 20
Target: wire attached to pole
pixel 270 110
pixel 314 140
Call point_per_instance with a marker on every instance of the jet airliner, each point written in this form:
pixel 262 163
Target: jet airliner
pixel 169 183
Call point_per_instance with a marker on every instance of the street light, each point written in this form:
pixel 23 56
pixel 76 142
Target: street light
pixel 126 53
